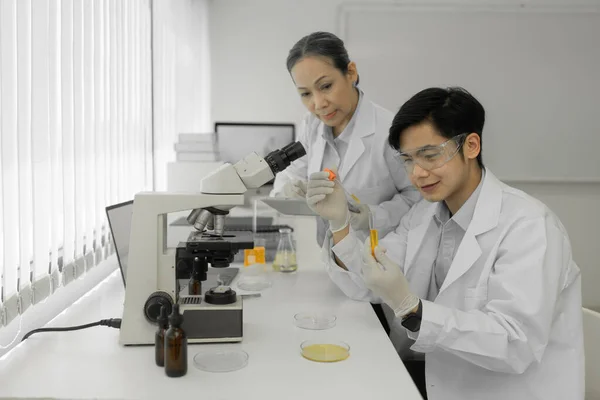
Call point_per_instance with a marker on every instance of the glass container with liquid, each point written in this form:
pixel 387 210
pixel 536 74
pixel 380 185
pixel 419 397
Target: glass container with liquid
pixel 195 284
pixel 325 352
pixel 285 258
pixel 373 234
pixel 175 345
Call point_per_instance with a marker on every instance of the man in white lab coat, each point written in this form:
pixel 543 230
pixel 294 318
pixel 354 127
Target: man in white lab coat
pixel 479 274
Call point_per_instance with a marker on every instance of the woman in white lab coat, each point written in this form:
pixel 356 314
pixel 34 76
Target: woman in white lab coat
pixel 344 130
pixel 480 275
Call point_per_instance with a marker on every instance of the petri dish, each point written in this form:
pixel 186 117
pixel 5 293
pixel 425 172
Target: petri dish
pixel 254 283
pixel 315 321
pixel 325 351
pixel 221 360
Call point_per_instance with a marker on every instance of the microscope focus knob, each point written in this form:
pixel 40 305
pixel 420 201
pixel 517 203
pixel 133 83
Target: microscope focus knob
pixel 155 301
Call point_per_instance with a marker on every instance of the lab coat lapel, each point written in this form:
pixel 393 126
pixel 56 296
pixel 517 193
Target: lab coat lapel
pixel 364 126
pixel 468 252
pixel 421 253
pixel 416 235
pixel 317 151
pixel 485 218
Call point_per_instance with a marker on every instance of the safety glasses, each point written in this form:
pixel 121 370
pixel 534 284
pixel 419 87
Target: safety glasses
pixel 431 157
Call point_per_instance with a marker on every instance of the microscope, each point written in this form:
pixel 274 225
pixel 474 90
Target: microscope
pixel 155 271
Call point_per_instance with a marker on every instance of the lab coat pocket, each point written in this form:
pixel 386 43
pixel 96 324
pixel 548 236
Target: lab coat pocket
pixel 475 298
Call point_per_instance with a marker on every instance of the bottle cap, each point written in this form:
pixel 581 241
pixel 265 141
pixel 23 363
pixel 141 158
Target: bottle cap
pixel 332 175
pixel 175 319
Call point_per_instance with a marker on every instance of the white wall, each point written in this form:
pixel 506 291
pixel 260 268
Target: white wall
pixel 181 76
pixel 249 42
pixel 578 207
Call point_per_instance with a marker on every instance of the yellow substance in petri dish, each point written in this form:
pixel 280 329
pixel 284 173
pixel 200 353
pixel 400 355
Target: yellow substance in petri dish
pixel 374 241
pixel 325 352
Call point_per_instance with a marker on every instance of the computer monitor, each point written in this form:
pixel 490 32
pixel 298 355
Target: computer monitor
pixel 236 139
pixel 119 220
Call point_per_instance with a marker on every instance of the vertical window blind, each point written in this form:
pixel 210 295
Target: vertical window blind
pixel 75 136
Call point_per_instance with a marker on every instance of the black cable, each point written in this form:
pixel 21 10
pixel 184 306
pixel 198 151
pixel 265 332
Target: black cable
pixel 113 323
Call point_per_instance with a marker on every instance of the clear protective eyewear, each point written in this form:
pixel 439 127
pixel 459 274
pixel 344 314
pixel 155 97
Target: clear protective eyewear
pixel 431 157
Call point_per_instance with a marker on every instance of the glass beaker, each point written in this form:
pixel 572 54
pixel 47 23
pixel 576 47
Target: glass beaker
pixel 285 258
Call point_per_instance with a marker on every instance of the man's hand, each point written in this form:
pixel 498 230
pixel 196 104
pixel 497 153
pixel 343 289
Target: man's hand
pixel 295 189
pixel 386 280
pixel 327 198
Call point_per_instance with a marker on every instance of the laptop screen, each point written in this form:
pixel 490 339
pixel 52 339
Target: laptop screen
pixel 119 219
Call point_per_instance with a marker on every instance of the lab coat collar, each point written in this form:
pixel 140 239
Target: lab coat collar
pixel 485 218
pixel 365 125
pixel 489 203
pixel 464 216
pixel 318 150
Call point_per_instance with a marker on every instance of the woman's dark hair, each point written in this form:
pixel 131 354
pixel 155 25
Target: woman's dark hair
pixel 451 111
pixel 322 44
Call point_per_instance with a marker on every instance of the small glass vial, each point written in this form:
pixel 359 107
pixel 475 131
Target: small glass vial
pixel 159 337
pixel 175 346
pixel 285 258
pixel 195 284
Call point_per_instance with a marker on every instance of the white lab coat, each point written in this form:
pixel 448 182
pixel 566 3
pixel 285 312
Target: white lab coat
pixel 369 169
pixel 507 322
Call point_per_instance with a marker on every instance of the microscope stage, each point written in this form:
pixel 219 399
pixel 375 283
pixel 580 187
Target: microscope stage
pixel 231 241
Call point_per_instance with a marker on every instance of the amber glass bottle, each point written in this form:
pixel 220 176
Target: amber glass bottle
pixel 175 346
pixel 159 337
pixel 195 284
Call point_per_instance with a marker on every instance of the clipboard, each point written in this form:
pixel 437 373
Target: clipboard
pixel 289 206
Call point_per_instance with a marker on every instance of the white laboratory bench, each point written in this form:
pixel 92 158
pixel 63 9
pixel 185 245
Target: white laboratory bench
pixel 90 364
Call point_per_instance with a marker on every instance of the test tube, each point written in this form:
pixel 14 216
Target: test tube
pixel 374 234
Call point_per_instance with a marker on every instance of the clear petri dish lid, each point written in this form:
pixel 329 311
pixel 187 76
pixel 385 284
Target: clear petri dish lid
pixel 315 321
pixel 221 360
pixel 254 283
pixel 325 351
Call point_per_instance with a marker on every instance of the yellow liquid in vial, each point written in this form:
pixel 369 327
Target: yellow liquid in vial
pixel 374 241
pixel 325 352
pixel 285 261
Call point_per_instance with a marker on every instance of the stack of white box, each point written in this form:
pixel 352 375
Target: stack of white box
pixel 197 147
pixel 197 155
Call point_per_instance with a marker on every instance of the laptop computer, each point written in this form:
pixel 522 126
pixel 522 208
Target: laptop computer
pixel 119 220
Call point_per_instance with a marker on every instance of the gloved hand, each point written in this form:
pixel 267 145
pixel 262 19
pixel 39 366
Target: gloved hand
pixel 327 198
pixel 360 220
pixel 386 280
pixel 295 189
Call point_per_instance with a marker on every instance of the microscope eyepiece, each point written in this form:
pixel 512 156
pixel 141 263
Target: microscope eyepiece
pixel 278 160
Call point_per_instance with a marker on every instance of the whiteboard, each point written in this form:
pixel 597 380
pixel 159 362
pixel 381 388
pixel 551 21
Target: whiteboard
pixel 536 72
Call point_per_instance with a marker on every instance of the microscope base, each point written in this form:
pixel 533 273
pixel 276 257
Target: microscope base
pixel 212 323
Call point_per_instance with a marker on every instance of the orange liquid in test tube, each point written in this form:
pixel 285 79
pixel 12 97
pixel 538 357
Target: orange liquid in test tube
pixel 374 241
pixel 374 234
